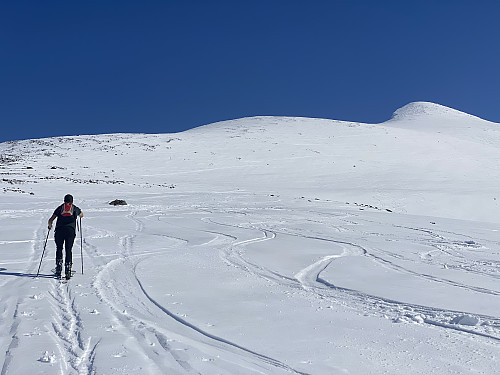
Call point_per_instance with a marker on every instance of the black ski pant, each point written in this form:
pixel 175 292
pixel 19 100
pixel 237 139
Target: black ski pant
pixel 64 236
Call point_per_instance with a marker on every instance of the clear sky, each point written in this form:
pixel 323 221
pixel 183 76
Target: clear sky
pixel 90 67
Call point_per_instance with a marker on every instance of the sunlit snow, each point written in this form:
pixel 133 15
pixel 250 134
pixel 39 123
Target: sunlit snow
pixel 264 245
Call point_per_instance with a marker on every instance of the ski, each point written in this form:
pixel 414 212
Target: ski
pixel 62 277
pixel 65 280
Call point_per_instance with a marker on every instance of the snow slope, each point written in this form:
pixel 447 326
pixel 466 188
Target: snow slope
pixel 264 245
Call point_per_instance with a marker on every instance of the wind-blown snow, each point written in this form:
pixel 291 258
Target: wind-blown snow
pixel 264 245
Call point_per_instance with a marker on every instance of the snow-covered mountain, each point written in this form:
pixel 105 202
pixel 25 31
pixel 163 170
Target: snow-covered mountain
pixel 259 245
pixel 430 111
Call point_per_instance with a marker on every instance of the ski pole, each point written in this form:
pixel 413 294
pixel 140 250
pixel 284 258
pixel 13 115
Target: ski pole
pixel 81 243
pixel 43 252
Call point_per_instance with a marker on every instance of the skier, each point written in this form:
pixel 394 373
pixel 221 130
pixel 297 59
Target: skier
pixel 65 233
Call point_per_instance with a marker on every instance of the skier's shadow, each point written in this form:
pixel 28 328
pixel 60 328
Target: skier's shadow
pixel 3 272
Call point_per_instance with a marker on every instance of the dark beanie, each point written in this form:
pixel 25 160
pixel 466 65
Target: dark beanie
pixel 68 198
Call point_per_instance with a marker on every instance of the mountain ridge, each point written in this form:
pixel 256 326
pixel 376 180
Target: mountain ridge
pixel 428 112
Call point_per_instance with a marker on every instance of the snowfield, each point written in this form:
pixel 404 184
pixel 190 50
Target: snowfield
pixel 264 245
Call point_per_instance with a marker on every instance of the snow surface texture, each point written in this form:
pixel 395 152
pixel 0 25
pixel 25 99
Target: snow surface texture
pixel 264 245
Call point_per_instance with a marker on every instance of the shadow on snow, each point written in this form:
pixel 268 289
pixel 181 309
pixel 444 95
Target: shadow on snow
pixel 3 272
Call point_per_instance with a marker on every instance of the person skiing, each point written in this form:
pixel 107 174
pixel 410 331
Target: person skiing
pixel 65 233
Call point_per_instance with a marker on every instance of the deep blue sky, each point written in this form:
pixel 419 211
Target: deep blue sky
pixel 90 67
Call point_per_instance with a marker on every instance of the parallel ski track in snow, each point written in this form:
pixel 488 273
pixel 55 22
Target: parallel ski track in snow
pixel 67 325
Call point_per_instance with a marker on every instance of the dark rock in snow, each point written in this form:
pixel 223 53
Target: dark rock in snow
pixel 118 202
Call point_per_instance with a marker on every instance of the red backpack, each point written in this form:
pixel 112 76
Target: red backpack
pixel 67 209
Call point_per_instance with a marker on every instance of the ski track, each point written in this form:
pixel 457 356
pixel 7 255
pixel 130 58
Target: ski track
pixel 14 343
pixel 310 279
pixel 11 315
pixel 139 318
pixel 68 328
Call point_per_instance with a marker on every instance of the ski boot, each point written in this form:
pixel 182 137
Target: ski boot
pixel 58 268
pixel 67 267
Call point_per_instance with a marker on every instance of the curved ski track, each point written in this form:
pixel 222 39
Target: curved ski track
pixel 139 313
pixel 310 280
